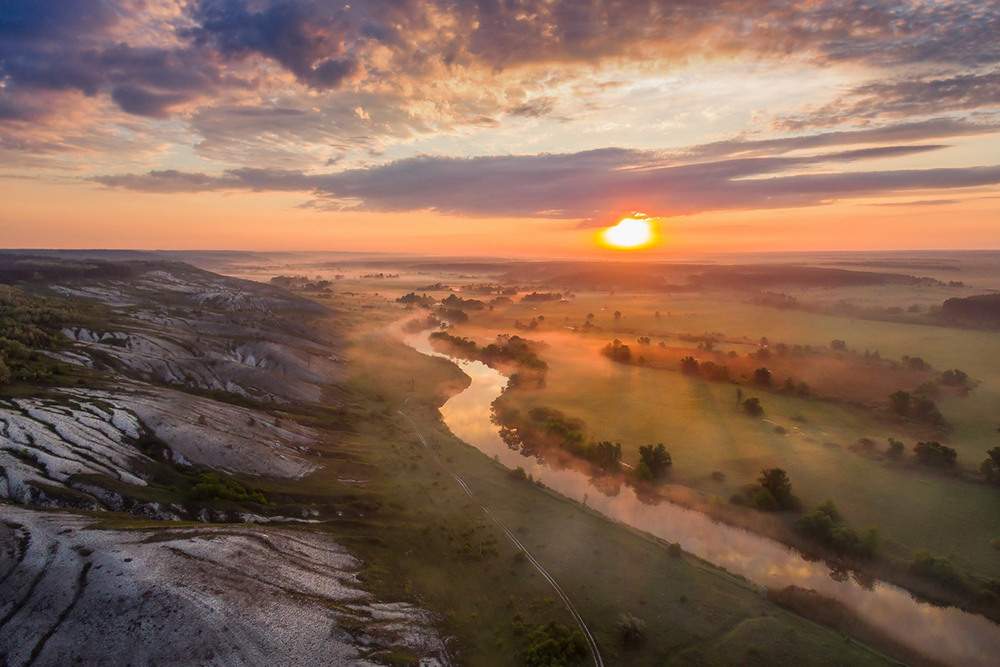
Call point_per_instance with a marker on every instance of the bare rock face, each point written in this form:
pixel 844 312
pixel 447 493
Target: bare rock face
pixel 235 595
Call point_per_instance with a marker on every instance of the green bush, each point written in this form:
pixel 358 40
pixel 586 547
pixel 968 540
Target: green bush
pixel 554 644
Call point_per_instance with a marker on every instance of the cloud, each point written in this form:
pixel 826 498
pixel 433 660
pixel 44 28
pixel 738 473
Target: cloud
pixel 924 130
pixel 143 102
pixel 441 68
pixel 920 203
pixel 903 98
pixel 589 185
pixel 306 38
pixel 82 44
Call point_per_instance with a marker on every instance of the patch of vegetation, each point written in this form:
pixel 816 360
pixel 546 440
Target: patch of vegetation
pixel 991 466
pixel 918 407
pixel 935 455
pixel 541 297
pixel 825 525
pixel 654 462
pixel 774 491
pixel 413 299
pixel 29 325
pixel 554 644
pixel 211 486
pixel 752 407
pixel 544 429
pixel 617 351
pixel 455 302
pixel 506 350
pixel 941 570
pixel 895 449
pixel 30 269
pixel 631 630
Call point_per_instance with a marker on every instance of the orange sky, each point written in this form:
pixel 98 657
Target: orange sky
pixel 474 129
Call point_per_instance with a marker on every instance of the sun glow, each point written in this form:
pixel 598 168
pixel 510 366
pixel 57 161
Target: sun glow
pixel 629 233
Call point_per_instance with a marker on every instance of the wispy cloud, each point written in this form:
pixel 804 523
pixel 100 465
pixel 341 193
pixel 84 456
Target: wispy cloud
pixel 588 185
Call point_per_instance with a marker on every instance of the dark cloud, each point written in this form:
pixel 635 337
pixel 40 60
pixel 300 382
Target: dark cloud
pixel 307 38
pixel 589 185
pixel 143 102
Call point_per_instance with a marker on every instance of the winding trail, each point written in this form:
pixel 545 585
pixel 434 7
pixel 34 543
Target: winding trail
pixel 598 661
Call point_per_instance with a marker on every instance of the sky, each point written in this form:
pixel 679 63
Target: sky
pixel 499 127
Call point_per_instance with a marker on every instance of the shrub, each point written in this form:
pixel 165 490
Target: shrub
pixel 554 644
pixel 631 629
pixel 935 455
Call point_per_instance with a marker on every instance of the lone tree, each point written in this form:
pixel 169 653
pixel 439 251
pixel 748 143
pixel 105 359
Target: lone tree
pixel 762 377
pixel 775 490
pixel 752 407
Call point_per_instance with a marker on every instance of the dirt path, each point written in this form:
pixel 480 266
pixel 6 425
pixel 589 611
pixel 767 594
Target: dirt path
pixel 598 661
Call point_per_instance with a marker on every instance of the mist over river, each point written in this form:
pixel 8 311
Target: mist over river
pixel 946 634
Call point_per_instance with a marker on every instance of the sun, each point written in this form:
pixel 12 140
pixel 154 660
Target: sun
pixel 629 234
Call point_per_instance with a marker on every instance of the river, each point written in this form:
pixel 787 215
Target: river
pixel 945 634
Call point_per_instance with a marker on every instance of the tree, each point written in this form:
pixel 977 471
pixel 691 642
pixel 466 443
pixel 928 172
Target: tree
pixel 935 455
pixel 762 377
pixel 618 314
pixel 775 481
pixel 838 345
pixel 752 407
pixel 895 449
pixel 954 378
pixel 607 455
pixel 991 466
pixel 689 365
pixel 900 402
pixel 617 351
pixel 657 459
pixel 631 629
pixel 554 644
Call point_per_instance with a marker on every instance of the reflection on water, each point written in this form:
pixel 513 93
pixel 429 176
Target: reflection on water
pixel 947 634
